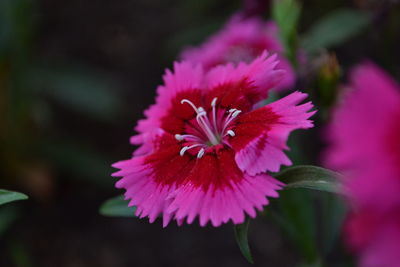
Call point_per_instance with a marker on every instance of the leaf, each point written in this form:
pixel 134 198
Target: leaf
pixel 80 89
pixel 296 216
pixel 10 196
pixel 333 215
pixel 310 177
pixel 117 207
pixel 8 215
pixel 286 14
pixel 242 240
pixel 335 29
pixel 79 160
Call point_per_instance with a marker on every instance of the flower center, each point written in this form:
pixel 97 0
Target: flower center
pixel 212 128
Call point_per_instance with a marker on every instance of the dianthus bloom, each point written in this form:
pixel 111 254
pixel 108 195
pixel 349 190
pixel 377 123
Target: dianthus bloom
pixel 204 149
pixel 366 149
pixel 242 40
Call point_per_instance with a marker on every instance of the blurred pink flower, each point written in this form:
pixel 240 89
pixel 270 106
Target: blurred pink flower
pixel 242 40
pixel 366 148
pixel 205 150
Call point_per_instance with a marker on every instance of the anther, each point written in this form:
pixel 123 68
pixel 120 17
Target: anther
pixel 179 137
pixel 236 113
pixel 214 102
pixel 190 103
pixel 200 153
pixel 183 150
pixel 231 133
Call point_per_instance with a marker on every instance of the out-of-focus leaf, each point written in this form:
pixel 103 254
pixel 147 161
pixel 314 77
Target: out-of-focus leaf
pixel 317 263
pixel 10 196
pixel 117 207
pixel 16 28
pixel 333 214
pixel 20 255
pixel 80 90
pixel 79 160
pixel 310 177
pixel 335 29
pixel 241 235
pixel 286 14
pixel 8 214
pixel 295 215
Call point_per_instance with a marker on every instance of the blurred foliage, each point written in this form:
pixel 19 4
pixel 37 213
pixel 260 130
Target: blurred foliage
pixel 117 207
pixel 7 196
pixel 335 29
pixel 31 90
pixel 286 13
pixel 36 93
pixel 310 177
pixel 241 232
pixel 8 214
pixel 296 215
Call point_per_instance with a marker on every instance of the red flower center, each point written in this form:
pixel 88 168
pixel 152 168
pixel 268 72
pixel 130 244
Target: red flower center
pixel 208 129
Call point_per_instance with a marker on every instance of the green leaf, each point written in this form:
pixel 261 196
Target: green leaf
pixel 296 216
pixel 333 214
pixel 310 177
pixel 242 240
pixel 80 89
pixel 79 160
pixel 10 196
pixel 286 14
pixel 117 207
pixel 8 215
pixel 335 29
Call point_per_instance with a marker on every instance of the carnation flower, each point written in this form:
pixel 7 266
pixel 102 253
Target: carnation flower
pixel 242 40
pixel 204 151
pixel 366 149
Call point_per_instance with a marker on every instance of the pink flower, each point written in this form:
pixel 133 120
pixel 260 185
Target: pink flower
pixel 366 149
pixel 204 150
pixel 242 40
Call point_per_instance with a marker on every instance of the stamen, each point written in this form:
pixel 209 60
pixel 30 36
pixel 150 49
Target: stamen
pixel 190 103
pixel 230 132
pixel 200 153
pixel 188 137
pixel 236 113
pixel 233 114
pixel 209 127
pixel 179 137
pixel 183 150
pixel 214 116
pixel 205 127
pixel 214 102
pixel 186 148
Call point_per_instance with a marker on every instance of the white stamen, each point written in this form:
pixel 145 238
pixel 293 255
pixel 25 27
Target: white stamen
pixel 214 102
pixel 183 150
pixel 205 127
pixel 231 133
pixel 200 153
pixel 190 103
pixel 230 117
pixel 208 127
pixel 186 148
pixel 236 113
pixel 179 137
pixel 214 114
pixel 201 113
